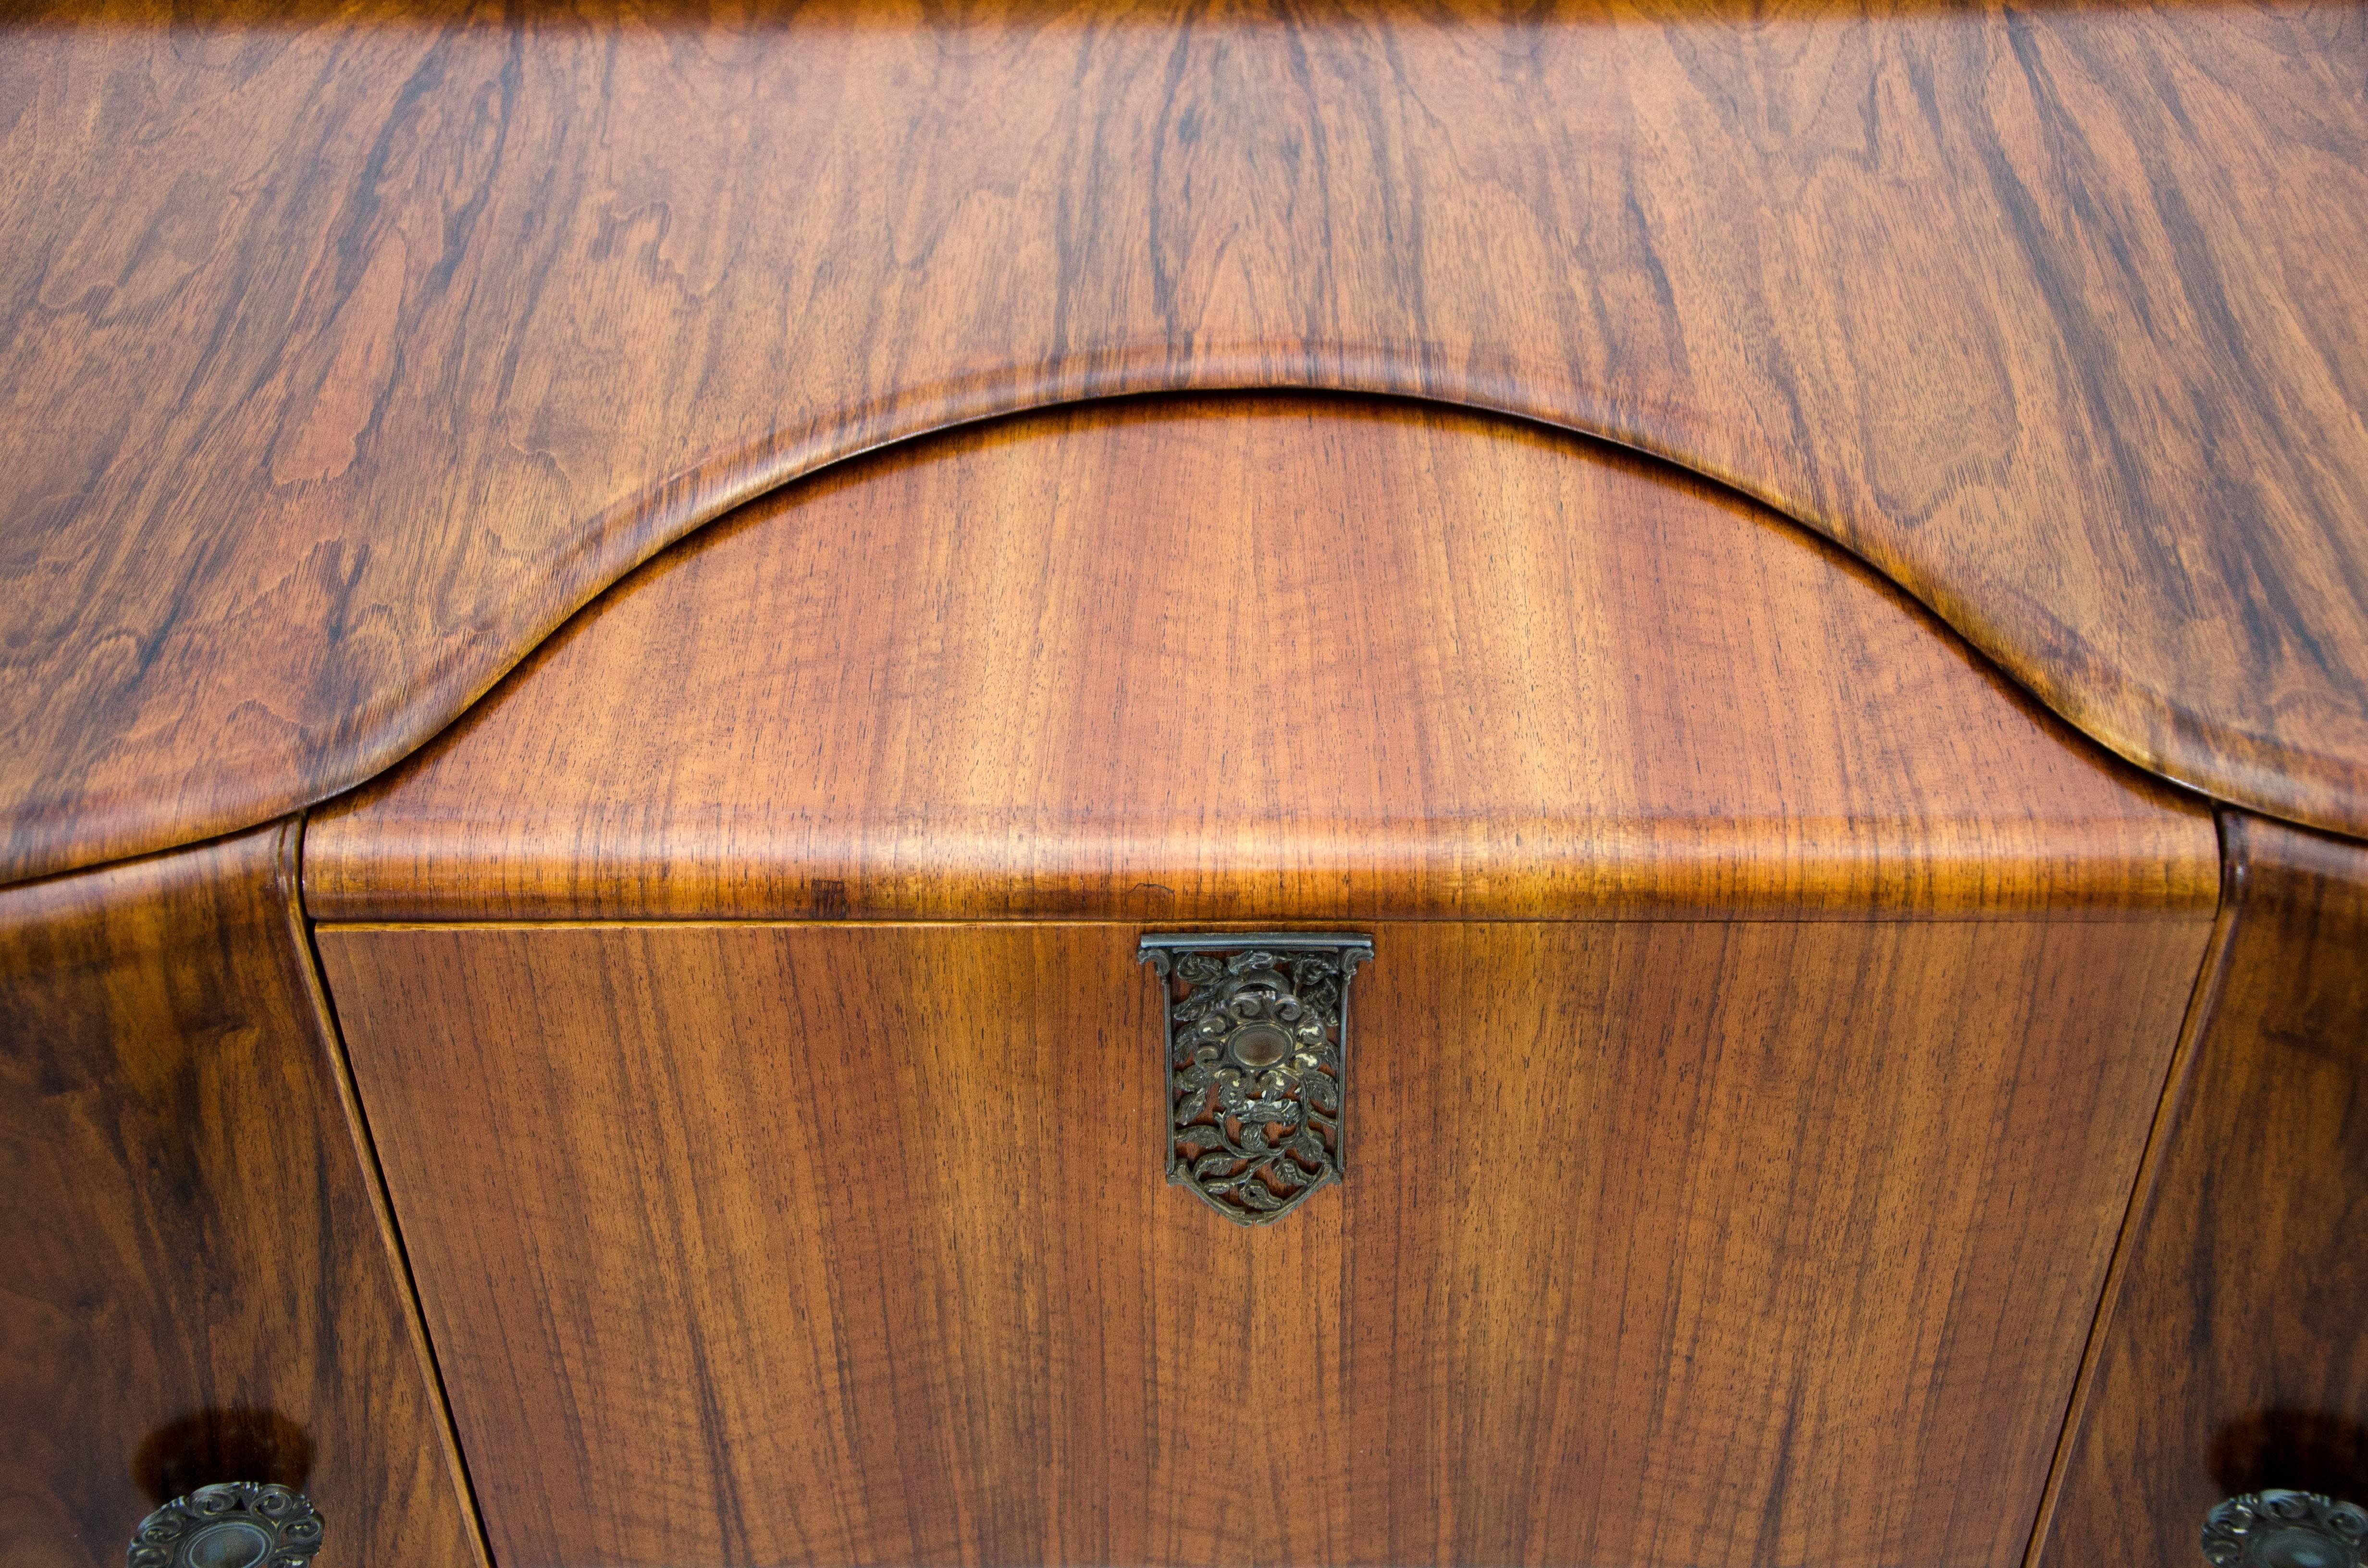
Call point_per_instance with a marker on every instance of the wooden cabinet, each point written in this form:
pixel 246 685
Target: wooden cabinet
pixel 1767 1014
pixel 615 620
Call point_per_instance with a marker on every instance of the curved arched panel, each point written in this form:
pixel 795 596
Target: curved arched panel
pixel 1258 658
pixel 343 362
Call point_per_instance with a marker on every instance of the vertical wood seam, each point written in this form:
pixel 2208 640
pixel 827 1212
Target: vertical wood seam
pixel 2210 980
pixel 306 956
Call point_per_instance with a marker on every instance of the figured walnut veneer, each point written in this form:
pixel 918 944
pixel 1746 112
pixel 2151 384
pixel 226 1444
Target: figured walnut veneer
pixel 199 1285
pixel 2235 1352
pixel 1254 658
pixel 341 361
pixel 1769 1008
pixel 1713 1244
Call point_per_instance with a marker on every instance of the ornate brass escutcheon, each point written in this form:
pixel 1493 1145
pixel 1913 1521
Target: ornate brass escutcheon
pixel 1255 1043
pixel 234 1525
pixel 2285 1529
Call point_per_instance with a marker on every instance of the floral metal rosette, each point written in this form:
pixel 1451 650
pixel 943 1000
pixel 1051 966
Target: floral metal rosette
pixel 2285 1529
pixel 235 1525
pixel 1255 1040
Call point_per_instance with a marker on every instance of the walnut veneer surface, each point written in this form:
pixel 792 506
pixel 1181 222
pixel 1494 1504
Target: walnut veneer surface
pixel 344 352
pixel 2236 1354
pixel 1743 1125
pixel 1715 1244
pixel 1258 658
pixel 198 1282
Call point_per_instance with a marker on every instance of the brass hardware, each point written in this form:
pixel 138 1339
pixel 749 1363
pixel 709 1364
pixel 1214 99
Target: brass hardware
pixel 2285 1529
pixel 1256 1045
pixel 235 1525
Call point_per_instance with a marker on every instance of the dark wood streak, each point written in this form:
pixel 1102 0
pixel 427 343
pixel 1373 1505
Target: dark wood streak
pixel 199 1285
pixel 341 362
pixel 2234 1357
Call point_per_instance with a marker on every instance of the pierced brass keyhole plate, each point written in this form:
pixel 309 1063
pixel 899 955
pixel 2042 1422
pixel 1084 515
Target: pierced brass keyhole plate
pixel 1255 1043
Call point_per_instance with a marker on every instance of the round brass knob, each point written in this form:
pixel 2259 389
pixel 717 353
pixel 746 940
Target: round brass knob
pixel 2285 1529
pixel 236 1524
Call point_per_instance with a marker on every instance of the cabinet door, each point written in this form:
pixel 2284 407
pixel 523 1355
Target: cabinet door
pixel 1676 1243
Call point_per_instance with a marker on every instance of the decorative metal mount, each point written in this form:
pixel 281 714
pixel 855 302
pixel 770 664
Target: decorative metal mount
pixel 2285 1529
pixel 236 1524
pixel 1255 1043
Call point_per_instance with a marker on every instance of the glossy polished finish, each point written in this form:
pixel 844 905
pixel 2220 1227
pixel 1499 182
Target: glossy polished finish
pixel 2234 1357
pixel 1721 1244
pixel 1250 659
pixel 199 1285
pixel 345 355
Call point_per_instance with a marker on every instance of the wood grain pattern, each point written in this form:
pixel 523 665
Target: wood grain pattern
pixel 1661 1244
pixel 1250 659
pixel 2236 1355
pixel 340 362
pixel 199 1275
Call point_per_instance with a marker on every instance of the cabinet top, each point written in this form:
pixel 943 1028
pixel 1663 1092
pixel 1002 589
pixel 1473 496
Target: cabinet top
pixel 343 361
